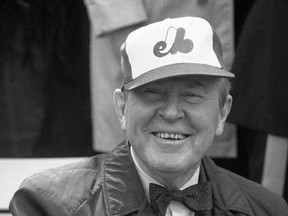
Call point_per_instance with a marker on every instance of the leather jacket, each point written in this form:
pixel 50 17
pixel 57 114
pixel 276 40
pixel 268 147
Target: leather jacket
pixel 108 184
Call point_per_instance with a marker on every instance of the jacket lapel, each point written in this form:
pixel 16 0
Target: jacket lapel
pixel 122 188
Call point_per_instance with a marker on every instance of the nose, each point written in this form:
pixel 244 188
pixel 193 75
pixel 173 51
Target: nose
pixel 171 109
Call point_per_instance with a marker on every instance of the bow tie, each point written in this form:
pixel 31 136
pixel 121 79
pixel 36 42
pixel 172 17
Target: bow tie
pixel 196 197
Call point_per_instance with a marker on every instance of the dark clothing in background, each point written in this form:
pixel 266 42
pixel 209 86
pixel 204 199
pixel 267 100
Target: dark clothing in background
pixel 44 79
pixel 260 89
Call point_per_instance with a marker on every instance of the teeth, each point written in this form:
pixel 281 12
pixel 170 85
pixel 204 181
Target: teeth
pixel 170 136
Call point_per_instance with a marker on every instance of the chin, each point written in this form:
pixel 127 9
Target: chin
pixel 170 167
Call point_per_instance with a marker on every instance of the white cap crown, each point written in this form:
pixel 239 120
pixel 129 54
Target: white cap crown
pixel 172 47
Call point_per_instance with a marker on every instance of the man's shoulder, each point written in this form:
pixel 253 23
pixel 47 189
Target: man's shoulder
pixel 63 188
pixel 259 198
pixel 258 194
pixel 67 175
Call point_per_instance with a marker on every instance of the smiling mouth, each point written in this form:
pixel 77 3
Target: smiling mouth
pixel 170 136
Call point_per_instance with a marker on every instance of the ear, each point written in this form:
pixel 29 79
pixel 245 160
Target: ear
pixel 223 115
pixel 120 105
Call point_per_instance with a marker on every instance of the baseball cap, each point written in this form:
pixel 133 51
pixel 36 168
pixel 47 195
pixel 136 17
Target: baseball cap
pixel 172 47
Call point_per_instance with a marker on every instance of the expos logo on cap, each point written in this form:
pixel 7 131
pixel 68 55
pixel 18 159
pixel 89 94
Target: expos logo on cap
pixel 172 47
pixel 178 45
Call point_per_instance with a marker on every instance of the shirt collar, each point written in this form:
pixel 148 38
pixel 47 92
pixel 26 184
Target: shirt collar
pixel 147 179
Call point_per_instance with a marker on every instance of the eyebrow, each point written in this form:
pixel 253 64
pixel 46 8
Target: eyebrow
pixel 195 83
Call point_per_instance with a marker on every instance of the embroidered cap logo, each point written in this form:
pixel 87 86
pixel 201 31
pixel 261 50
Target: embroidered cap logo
pixel 162 48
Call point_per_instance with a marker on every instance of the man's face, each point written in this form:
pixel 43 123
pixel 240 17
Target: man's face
pixel 171 123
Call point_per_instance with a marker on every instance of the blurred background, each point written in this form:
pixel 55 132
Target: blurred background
pixel 60 63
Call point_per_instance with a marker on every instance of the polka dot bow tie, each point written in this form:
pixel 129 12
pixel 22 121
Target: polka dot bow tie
pixel 196 197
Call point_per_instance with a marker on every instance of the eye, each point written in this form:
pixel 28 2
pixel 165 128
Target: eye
pixel 153 93
pixel 193 98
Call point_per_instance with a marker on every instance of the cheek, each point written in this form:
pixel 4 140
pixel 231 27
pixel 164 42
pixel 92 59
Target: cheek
pixel 205 122
pixel 137 118
pixel 140 114
pixel 213 116
pixel 207 119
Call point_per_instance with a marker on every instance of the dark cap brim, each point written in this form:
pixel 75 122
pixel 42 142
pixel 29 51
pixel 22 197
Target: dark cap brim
pixel 175 70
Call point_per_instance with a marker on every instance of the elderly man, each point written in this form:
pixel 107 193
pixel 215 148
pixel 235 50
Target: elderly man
pixel 174 100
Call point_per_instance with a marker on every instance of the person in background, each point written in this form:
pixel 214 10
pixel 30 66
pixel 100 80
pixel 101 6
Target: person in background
pixel 261 88
pixel 173 102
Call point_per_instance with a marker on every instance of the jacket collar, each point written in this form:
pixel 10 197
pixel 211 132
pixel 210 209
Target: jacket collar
pixel 120 177
pixel 122 188
pixel 227 194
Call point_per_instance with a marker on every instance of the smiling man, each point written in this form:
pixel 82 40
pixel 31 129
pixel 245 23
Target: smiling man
pixel 174 101
pixel 170 124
